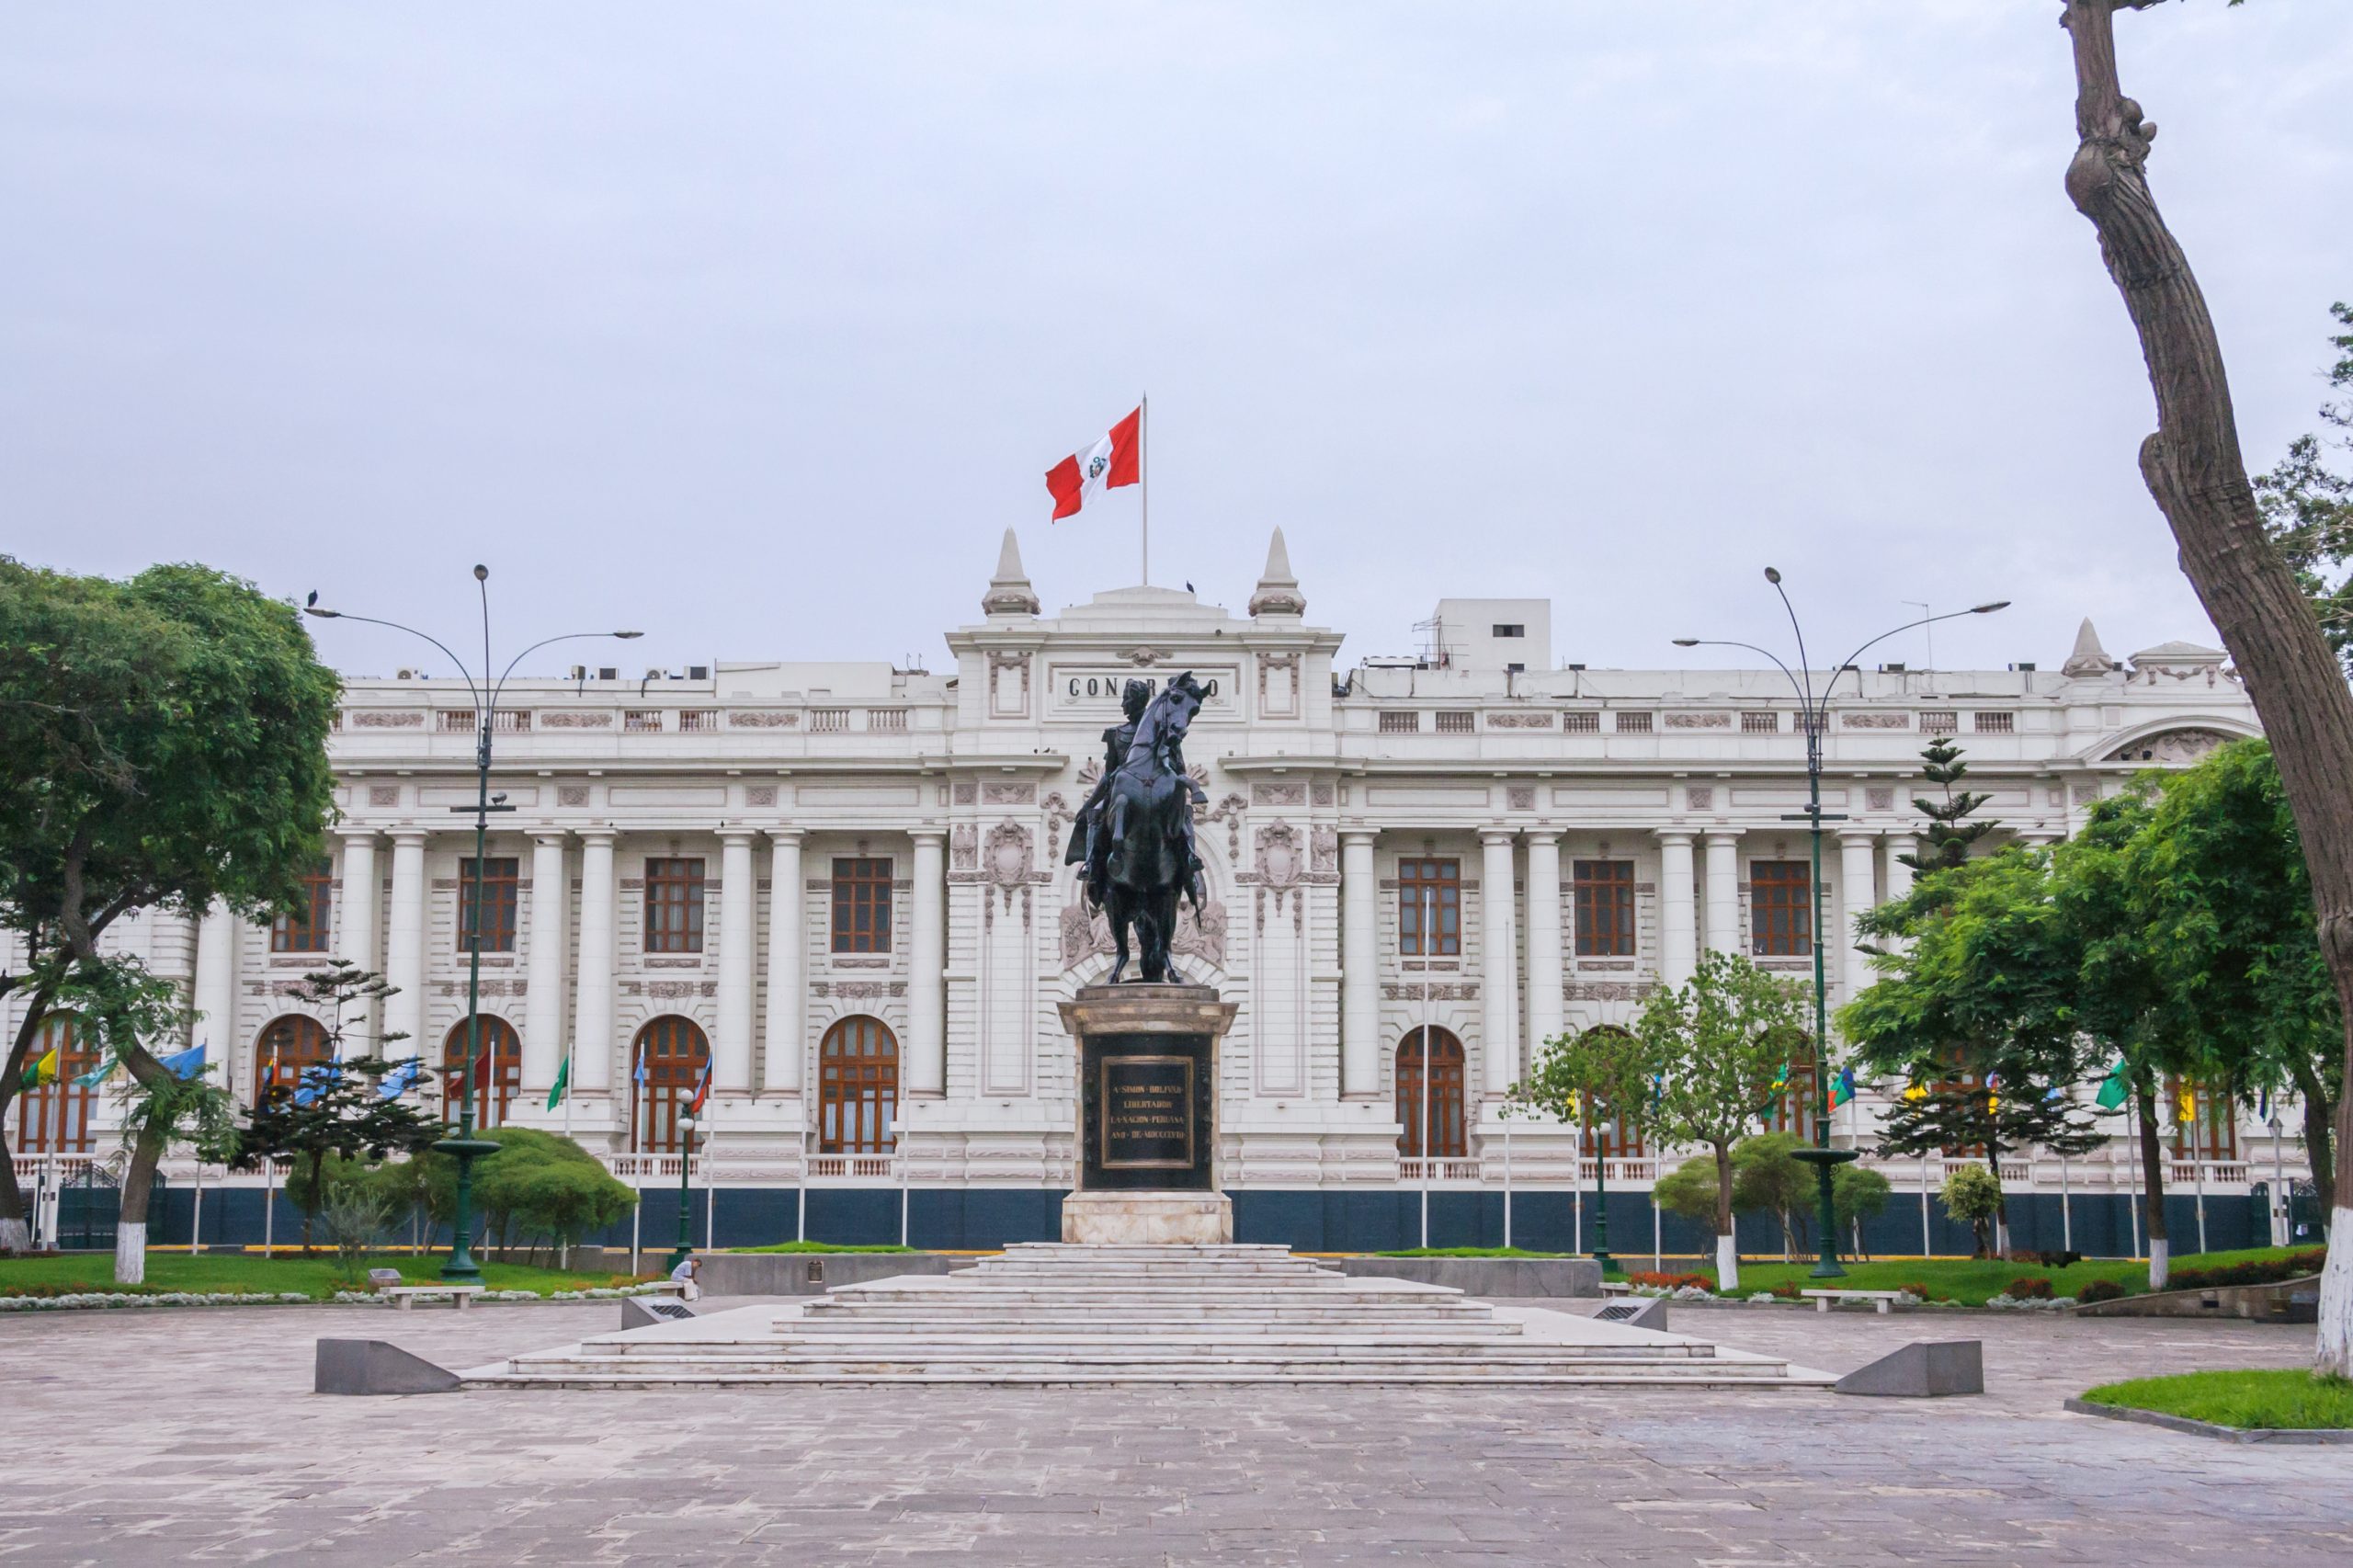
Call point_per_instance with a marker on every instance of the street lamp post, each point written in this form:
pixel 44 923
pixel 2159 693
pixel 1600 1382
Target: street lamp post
pixel 465 1148
pixel 1602 1134
pixel 1815 715
pixel 685 1247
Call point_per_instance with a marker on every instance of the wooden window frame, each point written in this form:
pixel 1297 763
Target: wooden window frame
pixel 858 1087
pixel 1443 872
pixel 861 897
pixel 55 1117
pixel 674 1049
pixel 1779 926
pixel 287 1044
pixel 495 1084
pixel 502 895
pixel 675 897
pixel 1604 897
pixel 1448 1123
pixel 310 930
pixel 2214 1133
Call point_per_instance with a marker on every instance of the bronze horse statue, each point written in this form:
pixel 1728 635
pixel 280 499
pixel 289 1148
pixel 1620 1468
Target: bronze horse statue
pixel 1135 834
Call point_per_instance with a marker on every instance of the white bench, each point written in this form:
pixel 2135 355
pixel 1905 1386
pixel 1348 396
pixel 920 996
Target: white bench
pixel 1616 1287
pixel 1880 1300
pixel 405 1296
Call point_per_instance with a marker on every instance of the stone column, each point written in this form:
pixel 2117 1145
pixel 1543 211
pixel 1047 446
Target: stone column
pixel 215 996
pixel 785 1042
pixel 1547 957
pixel 731 1055
pixel 1894 847
pixel 404 952
pixel 928 965
pixel 543 977
pixel 1858 891
pixel 592 1004
pixel 1678 953
pixel 355 918
pixel 1498 941
pixel 1724 892
pixel 1359 968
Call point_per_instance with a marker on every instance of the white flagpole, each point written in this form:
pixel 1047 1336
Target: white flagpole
pixel 1143 476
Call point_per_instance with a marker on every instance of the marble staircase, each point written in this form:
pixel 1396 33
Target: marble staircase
pixel 1050 1314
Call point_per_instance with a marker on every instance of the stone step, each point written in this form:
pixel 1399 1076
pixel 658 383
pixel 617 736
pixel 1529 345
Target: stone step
pixel 1047 1375
pixel 926 1348
pixel 1145 1318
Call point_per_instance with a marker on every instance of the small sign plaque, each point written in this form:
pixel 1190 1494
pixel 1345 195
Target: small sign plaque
pixel 1147 1110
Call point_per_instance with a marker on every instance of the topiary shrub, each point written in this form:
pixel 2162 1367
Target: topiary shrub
pixel 2100 1291
pixel 2261 1271
pixel 2032 1289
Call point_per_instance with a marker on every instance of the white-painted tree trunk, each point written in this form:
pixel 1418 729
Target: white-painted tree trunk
pixel 2332 1352
pixel 2160 1262
pixel 1727 1264
pixel 130 1252
pixel 16 1235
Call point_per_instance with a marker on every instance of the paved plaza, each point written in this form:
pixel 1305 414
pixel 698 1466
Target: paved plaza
pixel 191 1435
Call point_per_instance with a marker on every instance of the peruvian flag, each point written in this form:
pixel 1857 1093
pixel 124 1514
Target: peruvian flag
pixel 1115 460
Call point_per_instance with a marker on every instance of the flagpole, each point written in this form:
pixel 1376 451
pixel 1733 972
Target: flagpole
pixel 1143 476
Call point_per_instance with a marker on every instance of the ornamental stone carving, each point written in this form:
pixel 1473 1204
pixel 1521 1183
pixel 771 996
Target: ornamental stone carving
pixel 2172 748
pixel 384 794
pixel 1324 848
pixel 1853 720
pixel 1879 800
pixel 1229 812
pixel 573 719
pixel 966 792
pixel 1281 861
pixel 760 795
pixel 1608 990
pixel 1700 797
pixel 1279 794
pixel 1699 720
pixel 1003 795
pixel 763 719
pixel 1321 792
pixel 376 718
pixel 1006 857
pixel 1519 721
pixel 1522 797
pixel 571 794
pixel 963 846
pixel 1439 990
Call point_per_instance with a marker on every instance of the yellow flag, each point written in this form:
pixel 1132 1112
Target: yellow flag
pixel 2185 1106
pixel 1916 1092
pixel 42 1072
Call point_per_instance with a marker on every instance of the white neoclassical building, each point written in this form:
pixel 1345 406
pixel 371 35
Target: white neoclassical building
pixel 840 885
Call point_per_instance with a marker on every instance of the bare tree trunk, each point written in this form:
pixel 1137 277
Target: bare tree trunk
pixel 2193 467
pixel 2153 1183
pixel 2318 1144
pixel 1727 1243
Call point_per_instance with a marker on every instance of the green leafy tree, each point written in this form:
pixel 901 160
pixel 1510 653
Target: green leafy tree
pixel 337 1111
pixel 1858 1194
pixel 1950 833
pixel 1693 1191
pixel 2308 506
pixel 544 1190
pixel 1767 1174
pixel 1597 1076
pixel 1975 1010
pixel 166 739
pixel 1718 1043
pixel 1972 1195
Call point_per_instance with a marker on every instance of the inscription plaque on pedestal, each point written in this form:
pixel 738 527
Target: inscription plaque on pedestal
pixel 1144 1102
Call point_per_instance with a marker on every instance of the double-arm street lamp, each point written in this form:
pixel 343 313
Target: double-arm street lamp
pixel 465 1147
pixel 1815 717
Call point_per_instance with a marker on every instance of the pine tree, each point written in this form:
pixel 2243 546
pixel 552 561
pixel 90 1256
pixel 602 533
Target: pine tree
pixel 1950 832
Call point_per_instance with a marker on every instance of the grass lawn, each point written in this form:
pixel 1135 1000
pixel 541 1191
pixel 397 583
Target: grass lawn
pixel 819 1246
pixel 2288 1398
pixel 1971 1280
pixel 313 1276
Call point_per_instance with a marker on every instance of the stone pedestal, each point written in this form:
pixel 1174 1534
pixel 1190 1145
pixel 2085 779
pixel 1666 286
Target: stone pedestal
pixel 1147 1117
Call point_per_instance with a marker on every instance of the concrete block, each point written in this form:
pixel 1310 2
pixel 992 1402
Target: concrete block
pixel 1926 1369
pixel 645 1312
pixel 372 1366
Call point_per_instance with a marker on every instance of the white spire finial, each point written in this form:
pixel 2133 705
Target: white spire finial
pixel 1009 591
pixel 1278 591
pixel 2089 658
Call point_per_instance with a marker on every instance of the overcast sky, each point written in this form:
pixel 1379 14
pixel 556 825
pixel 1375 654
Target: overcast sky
pixel 754 326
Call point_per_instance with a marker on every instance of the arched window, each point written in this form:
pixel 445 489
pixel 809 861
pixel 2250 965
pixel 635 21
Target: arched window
pixel 498 1070
pixel 55 1117
pixel 1623 1141
pixel 670 1052
pixel 858 1088
pixel 1443 1073
pixel 2210 1132
pixel 287 1045
pixel 1794 1108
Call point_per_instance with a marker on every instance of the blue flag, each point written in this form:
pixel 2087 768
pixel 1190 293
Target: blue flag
pixel 403 1078
pixel 186 1063
pixel 315 1082
pixel 640 1074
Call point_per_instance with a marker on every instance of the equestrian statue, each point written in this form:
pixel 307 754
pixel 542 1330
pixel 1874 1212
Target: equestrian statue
pixel 1134 835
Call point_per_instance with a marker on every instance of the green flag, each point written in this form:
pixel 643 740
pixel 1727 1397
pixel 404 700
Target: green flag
pixel 2113 1093
pixel 562 1083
